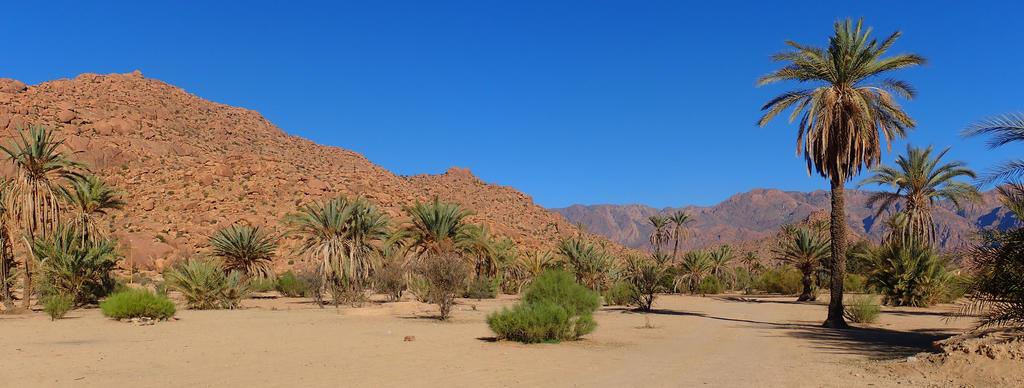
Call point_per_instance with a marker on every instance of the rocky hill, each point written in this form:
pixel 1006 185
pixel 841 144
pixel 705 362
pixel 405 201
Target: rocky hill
pixel 190 165
pixel 758 214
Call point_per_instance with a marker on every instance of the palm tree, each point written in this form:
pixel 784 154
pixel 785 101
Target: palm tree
pixel 919 180
pixel 660 232
pixel 695 266
pixel 476 242
pixel 342 236
pixel 435 226
pixel 74 266
pixel 244 248
pixel 679 220
pixel 591 264
pixel 87 199
pixel 1005 129
pixel 33 199
pixel 750 261
pixel 843 118
pixel 720 261
pixel 805 250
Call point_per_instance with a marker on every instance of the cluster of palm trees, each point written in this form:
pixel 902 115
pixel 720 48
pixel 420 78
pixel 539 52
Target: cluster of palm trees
pixel 670 228
pixel 52 209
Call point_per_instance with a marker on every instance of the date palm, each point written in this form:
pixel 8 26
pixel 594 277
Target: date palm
pixel 476 242
pixel 435 226
pixel 1005 129
pixel 7 273
pixel 87 199
pixel 679 220
pixel 695 266
pixel 660 232
pixel 720 261
pixel 805 250
pixel 247 249
pixel 918 180
pixel 592 265
pixel 844 116
pixel 34 197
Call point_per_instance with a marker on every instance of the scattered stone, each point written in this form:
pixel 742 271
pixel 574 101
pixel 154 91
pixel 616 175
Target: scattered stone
pixel 409 338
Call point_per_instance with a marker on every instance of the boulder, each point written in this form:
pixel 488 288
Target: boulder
pixel 65 116
pixel 8 85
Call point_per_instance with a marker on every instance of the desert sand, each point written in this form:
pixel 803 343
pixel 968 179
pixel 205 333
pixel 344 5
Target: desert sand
pixel 693 341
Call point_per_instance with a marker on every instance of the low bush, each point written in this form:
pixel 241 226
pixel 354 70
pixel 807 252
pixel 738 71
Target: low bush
pixel 554 308
pixel 206 284
pixel 390 280
pixel 622 293
pixel 710 285
pixel 780 281
pixel 855 283
pixel 647 278
pixel 862 309
pixel 344 291
pixel 908 274
pixel 261 285
pixel 420 288
pixel 72 265
pixel 57 305
pixel 291 285
pixel 137 303
pixel 446 277
pixel 481 288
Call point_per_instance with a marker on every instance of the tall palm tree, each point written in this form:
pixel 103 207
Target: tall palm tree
pixel 843 118
pixel 247 249
pixel 660 232
pixel 1005 129
pixel 87 199
pixel 695 266
pixel 679 220
pixel 805 250
pixel 368 230
pixel 919 179
pixel 435 226
pixel 34 198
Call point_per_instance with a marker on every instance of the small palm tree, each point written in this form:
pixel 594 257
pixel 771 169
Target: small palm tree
pixel 7 269
pixel 908 274
pixel 720 261
pixel 919 180
pixel 247 249
pixel 476 242
pixel 679 220
pixel 74 266
pixel 592 265
pixel 1005 129
pixel 87 199
pixel 750 261
pixel 695 266
pixel 843 118
pixel 660 232
pixel 435 226
pixel 34 197
pixel 995 292
pixel 805 250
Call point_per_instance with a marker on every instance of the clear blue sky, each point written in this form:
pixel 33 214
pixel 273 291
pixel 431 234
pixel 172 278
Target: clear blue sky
pixel 585 102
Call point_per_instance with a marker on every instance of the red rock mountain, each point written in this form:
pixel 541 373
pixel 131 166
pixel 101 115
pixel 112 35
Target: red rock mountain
pixel 758 214
pixel 190 165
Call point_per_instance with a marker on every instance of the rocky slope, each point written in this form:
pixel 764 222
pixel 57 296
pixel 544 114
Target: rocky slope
pixel 190 165
pixel 758 214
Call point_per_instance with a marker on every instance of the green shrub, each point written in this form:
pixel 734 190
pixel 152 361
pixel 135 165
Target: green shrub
pixel 481 288
pixel 261 285
pixel 543 321
pixel 290 285
pixel 206 285
pixel 647 278
pixel 446 276
pixel 137 303
pixel 390 280
pixel 743 280
pixel 908 274
pixel 57 305
pixel 781 281
pixel 554 308
pixel 622 293
pixel 862 309
pixel 420 288
pixel 710 285
pixel 855 283
pixel 344 291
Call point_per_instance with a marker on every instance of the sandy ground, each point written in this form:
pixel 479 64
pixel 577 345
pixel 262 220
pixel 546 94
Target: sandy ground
pixel 713 341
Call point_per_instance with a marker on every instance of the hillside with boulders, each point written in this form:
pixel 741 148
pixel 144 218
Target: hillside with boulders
pixel 189 166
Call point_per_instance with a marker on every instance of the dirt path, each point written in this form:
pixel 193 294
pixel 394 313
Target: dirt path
pixel 716 341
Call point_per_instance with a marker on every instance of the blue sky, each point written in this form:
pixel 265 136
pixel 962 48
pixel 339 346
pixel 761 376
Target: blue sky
pixel 575 102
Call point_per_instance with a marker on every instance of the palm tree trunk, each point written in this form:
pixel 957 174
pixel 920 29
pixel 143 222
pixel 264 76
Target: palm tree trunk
pixel 808 282
pixel 675 249
pixel 838 229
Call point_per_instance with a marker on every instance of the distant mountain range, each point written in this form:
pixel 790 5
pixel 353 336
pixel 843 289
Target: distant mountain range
pixel 758 214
